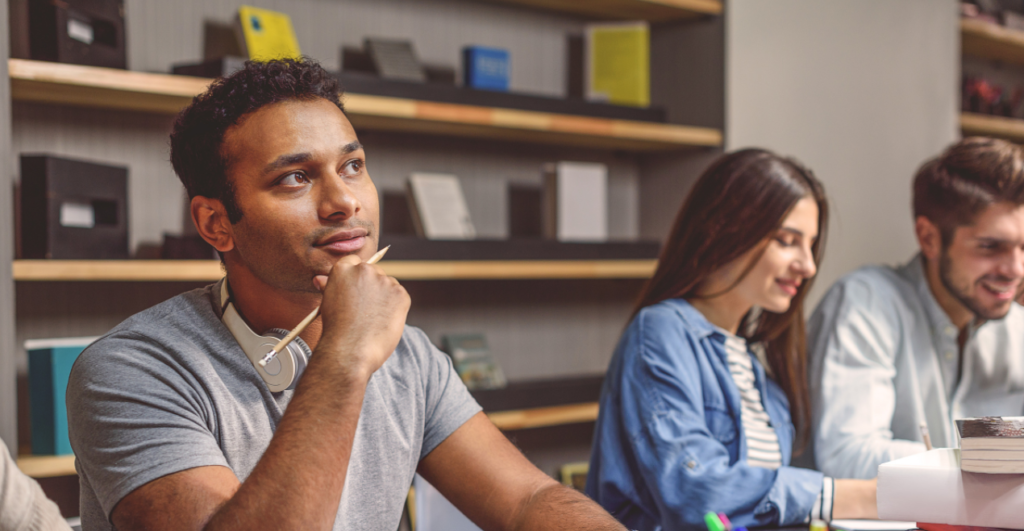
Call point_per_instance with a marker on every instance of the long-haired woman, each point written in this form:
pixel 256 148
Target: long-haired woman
pixel 691 420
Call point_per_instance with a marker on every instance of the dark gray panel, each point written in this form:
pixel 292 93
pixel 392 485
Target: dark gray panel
pixel 8 399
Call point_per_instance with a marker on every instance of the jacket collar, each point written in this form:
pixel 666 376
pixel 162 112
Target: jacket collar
pixel 692 318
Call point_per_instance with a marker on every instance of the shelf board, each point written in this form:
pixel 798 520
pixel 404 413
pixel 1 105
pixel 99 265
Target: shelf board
pixel 57 83
pixel 984 125
pixel 649 10
pixel 544 416
pixel 47 466
pixel 210 270
pixel 991 41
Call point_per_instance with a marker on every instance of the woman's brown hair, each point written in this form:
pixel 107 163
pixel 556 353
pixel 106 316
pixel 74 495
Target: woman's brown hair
pixel 737 204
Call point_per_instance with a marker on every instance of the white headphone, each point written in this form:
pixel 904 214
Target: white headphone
pixel 283 372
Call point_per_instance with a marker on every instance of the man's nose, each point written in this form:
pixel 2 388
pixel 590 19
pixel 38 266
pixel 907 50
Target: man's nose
pixel 336 199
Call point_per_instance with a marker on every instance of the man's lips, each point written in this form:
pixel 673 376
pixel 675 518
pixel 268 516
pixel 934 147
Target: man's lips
pixel 344 242
pixel 1000 290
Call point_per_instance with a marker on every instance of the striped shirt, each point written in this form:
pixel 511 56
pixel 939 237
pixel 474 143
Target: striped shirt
pixel 762 441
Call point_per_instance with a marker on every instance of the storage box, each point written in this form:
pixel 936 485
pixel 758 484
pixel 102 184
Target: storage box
pixel 83 32
pixel 49 367
pixel 73 209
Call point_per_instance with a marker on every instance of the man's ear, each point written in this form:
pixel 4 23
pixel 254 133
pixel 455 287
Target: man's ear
pixel 211 220
pixel 929 237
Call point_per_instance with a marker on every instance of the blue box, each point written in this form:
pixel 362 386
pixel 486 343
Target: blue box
pixel 486 68
pixel 49 367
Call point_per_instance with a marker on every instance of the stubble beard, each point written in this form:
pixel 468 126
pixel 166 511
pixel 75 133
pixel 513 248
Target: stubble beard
pixel 961 292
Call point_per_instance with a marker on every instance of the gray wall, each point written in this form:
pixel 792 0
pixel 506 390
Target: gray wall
pixel 862 92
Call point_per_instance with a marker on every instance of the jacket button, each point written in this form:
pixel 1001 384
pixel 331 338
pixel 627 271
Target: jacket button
pixel 691 464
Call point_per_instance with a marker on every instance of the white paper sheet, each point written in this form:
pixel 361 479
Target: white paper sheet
pixel 872 525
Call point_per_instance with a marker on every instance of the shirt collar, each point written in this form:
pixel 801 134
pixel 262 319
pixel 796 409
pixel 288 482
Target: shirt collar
pixel 937 317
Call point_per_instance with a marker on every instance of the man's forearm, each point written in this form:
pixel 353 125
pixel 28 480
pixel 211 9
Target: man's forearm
pixel 557 507
pixel 298 482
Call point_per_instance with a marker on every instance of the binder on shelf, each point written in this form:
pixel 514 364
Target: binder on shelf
pixel 49 367
pixel 576 202
pixel 930 487
pixel 81 32
pixel 473 361
pixel 438 207
pixel 617 64
pixel 267 34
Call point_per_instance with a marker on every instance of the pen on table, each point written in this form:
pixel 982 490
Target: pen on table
pixel 924 435
pixel 309 319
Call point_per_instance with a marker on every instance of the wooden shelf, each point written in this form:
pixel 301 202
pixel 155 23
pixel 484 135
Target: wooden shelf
pixel 984 125
pixel 991 41
pixel 47 466
pixel 210 270
pixel 649 10
pixel 38 81
pixel 544 416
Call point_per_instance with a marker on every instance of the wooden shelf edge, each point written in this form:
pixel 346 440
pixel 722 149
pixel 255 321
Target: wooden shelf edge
pixel 64 465
pixel 56 83
pixel 997 126
pixel 991 41
pixel 47 466
pixel 649 10
pixel 210 270
pixel 544 416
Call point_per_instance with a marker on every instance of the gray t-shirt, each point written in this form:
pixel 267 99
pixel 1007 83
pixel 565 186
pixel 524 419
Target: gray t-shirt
pixel 169 389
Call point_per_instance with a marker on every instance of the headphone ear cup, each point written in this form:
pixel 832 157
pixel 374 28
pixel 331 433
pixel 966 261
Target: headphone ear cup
pixel 293 351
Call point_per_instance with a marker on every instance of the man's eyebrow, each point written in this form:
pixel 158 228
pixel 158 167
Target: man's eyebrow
pixel 350 147
pixel 298 158
pixel 286 160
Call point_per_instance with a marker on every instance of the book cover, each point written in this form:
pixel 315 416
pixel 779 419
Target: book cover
pixel 617 63
pixel 439 209
pixel 473 361
pixel 267 34
pixel 486 68
pixel 575 202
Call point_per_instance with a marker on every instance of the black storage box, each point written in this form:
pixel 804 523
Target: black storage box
pixel 82 32
pixel 73 209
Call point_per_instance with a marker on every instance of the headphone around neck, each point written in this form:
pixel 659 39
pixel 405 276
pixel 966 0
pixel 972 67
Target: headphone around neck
pixel 284 371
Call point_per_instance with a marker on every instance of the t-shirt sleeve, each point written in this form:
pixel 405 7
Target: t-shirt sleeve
pixel 134 415
pixel 448 402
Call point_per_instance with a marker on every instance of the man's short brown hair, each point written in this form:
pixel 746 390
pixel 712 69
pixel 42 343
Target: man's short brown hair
pixel 968 177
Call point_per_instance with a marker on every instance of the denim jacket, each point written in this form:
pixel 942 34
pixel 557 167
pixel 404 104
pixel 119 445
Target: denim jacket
pixel 669 443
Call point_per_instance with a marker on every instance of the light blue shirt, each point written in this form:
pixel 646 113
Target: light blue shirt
pixel 884 359
pixel 669 444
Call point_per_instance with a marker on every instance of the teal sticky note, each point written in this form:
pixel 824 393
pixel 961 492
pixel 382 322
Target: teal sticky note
pixel 49 368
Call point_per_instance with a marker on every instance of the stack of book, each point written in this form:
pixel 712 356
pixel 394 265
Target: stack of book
pixel 992 445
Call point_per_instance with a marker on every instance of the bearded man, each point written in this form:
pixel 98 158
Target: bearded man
pixel 898 352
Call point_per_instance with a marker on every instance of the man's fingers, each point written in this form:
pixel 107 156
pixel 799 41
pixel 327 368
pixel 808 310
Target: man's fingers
pixel 320 282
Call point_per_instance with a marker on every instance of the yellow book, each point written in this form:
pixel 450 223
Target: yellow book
pixel 268 34
pixel 618 63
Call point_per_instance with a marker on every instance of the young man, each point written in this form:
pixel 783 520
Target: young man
pixel 174 428
pixel 895 352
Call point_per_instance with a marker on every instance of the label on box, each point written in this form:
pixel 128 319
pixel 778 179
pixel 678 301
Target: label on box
pixel 79 215
pixel 80 31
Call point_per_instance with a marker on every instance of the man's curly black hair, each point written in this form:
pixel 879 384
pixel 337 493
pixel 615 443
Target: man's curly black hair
pixel 198 133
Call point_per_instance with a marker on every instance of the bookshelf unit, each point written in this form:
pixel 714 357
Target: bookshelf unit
pixel 108 88
pixel 546 318
pixel 996 43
